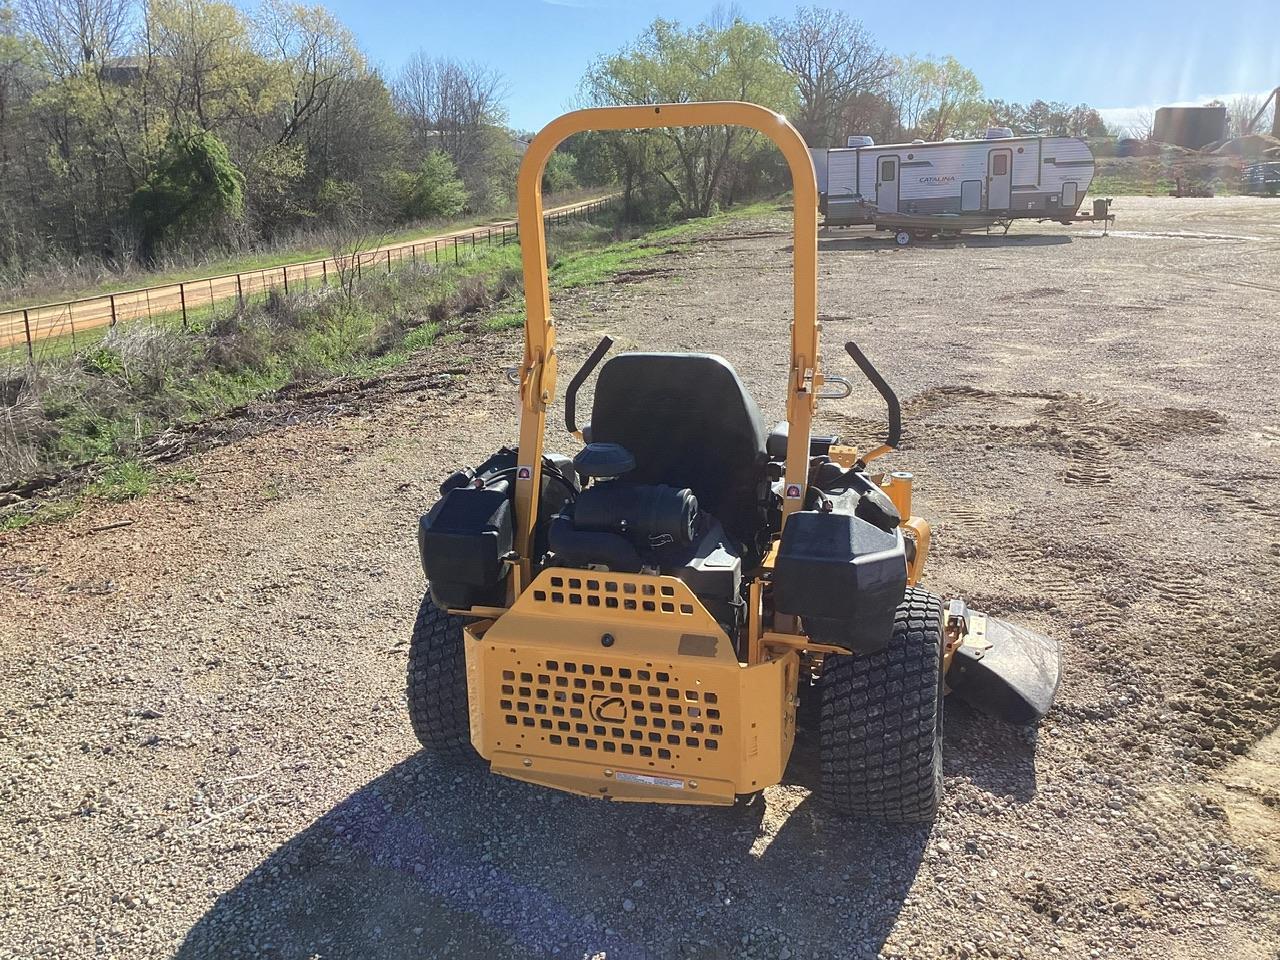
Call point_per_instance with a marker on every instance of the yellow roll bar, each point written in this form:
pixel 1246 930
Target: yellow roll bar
pixel 538 370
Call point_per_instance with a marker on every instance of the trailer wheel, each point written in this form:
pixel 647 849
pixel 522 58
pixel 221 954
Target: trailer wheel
pixel 437 684
pixel 921 234
pixel 902 238
pixel 880 733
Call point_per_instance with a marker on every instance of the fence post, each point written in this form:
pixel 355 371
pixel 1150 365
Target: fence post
pixel 182 296
pixel 113 309
pixel 285 270
pixel 388 261
pixel 413 252
pixel 26 324
pixel 437 246
pixel 455 251
pixel 239 291
pixel 324 271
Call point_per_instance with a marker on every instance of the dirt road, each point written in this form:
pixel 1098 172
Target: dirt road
pixel 205 750
pixel 32 324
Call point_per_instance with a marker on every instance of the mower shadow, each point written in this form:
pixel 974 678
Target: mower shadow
pixel 430 859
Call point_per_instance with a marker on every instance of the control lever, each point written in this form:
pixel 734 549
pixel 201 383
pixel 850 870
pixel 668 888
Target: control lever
pixel 571 394
pixel 890 398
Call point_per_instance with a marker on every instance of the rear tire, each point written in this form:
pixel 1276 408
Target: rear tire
pixel 902 238
pixel 880 732
pixel 437 685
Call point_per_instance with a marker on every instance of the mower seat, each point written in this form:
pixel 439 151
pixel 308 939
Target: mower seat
pixel 690 423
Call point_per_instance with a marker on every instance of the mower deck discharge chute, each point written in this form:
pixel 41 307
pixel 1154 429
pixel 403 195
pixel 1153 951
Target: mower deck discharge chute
pixel 643 621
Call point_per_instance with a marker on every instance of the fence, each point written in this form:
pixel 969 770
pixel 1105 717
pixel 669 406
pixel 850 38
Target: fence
pixel 31 324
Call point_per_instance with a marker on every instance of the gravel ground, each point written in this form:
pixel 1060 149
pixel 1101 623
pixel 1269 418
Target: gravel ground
pixel 205 750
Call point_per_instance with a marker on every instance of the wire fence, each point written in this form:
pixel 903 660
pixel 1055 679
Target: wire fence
pixel 29 325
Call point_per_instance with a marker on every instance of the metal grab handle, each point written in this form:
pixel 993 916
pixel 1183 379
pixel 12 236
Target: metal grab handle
pixel 845 384
pixel 895 410
pixel 584 371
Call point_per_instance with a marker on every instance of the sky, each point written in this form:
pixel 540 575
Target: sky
pixel 1125 58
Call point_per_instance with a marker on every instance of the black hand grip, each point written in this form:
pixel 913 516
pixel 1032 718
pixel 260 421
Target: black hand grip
pixel 886 391
pixel 584 371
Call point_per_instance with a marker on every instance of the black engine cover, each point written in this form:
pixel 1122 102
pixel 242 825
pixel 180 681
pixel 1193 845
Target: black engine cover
pixel 843 577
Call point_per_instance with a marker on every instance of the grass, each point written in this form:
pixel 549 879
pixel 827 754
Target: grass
pixel 95 407
pixel 118 482
pixel 303 248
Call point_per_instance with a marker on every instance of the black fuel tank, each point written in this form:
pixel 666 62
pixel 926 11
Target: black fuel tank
pixel 843 577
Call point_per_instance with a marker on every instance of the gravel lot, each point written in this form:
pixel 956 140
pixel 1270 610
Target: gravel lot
pixel 205 750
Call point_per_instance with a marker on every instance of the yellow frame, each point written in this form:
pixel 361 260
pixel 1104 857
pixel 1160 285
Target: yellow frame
pixel 538 369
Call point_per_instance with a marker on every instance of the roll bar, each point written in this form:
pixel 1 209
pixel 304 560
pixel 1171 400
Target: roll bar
pixel 537 373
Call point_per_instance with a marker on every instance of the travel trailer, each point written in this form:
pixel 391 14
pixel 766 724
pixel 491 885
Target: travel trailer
pixel 981 181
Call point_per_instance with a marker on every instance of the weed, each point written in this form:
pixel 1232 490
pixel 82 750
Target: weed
pixel 123 481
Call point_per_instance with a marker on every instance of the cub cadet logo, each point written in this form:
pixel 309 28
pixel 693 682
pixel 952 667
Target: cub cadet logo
pixel 607 709
pixel 936 179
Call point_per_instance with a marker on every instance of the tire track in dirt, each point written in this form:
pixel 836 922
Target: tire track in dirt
pixel 1086 431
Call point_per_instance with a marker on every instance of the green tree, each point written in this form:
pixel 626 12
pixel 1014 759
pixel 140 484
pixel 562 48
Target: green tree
pixel 593 159
pixel 207 69
pixel 935 97
pixel 312 58
pixel 195 191
pixel 560 173
pixel 436 190
pixel 669 64
pixel 954 97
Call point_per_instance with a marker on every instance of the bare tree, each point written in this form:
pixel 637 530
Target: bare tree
pixel 833 60
pixel 450 105
pixel 352 238
pixel 75 34
pixel 1240 113
pixel 1142 125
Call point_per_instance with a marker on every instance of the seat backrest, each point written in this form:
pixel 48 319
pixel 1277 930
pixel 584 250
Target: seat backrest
pixel 690 422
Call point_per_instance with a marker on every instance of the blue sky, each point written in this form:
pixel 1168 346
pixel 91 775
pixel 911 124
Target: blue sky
pixel 1117 55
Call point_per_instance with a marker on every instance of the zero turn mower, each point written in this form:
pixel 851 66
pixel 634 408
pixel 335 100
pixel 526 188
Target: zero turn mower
pixel 641 621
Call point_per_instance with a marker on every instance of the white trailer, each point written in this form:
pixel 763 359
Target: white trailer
pixel 957 184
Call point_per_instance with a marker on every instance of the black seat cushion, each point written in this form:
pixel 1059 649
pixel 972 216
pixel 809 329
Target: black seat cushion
pixel 689 422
